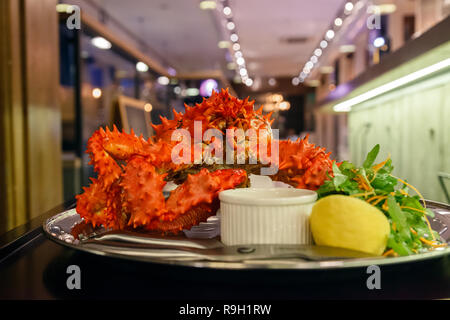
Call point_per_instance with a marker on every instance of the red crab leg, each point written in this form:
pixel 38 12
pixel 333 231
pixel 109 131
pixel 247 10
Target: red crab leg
pixel 196 199
pixel 189 204
pixel 100 206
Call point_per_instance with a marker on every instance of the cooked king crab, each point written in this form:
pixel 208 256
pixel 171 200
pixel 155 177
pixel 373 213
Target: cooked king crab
pixel 132 171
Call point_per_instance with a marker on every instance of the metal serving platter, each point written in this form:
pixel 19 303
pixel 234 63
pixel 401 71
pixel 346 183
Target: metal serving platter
pixel 157 249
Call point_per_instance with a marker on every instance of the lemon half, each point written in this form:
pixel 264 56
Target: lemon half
pixel 346 222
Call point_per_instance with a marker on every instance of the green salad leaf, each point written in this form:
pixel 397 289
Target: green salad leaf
pixel 410 229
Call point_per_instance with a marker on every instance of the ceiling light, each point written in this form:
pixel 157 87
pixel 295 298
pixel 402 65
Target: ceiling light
pixel 248 82
pixel 207 5
pixel 96 93
pixel 163 80
pixel 101 43
pixel 177 90
pixel 314 59
pixel 64 8
pixel 348 6
pixel 330 34
pixel 338 22
pixel 323 44
pixel 230 25
pixel 295 81
pixel 309 65
pixel 313 83
pixel 284 105
pixel 303 75
pixel 141 67
pixel 227 11
pixel 238 54
pixel 224 44
pixel 236 46
pixel 347 105
pixel 240 61
pixel 272 82
pixel 243 72
pixel 192 92
pixel 379 42
pixel 326 69
pixel 318 52
pixel 347 48
pixel 148 107
pixel 234 37
pixel 386 8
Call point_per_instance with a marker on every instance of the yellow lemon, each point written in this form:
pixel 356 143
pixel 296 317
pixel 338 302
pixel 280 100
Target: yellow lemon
pixel 351 223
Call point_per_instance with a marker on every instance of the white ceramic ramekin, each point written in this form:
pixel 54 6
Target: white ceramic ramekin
pixel 263 216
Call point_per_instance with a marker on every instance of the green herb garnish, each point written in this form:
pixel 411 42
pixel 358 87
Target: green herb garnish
pixel 410 229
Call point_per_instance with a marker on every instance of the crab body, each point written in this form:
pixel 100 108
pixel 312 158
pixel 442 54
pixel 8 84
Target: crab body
pixel 132 172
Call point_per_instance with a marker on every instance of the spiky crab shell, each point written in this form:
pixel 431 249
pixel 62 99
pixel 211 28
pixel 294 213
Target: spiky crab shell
pixel 302 164
pixel 221 112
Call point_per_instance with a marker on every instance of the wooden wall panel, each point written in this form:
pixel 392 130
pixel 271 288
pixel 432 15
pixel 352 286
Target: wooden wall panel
pixel 13 193
pixel 30 120
pixel 43 116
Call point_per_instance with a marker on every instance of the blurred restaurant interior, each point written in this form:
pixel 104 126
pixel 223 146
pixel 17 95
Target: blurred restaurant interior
pixel 350 74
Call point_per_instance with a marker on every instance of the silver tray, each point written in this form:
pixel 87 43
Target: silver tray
pixel 59 227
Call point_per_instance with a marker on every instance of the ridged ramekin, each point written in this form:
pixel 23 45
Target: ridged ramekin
pixel 266 216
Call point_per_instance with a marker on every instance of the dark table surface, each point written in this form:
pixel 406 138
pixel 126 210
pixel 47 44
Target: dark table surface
pixel 34 267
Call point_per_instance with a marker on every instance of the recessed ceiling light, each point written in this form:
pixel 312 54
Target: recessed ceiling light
pixel 238 54
pixel 101 43
pixel 243 72
pixel 234 37
pixel 207 5
pixel 141 67
pixel 164 81
pixel 230 25
pixel 330 34
pixel 240 61
pixel 272 82
pixel 295 81
pixel 314 59
pixel 318 52
pixel 323 44
pixel 338 22
pixel 236 46
pixel 248 82
pixel 227 11
pixel 348 6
